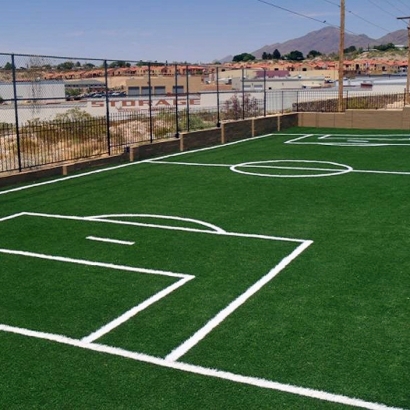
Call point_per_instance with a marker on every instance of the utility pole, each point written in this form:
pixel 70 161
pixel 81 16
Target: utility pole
pixel 341 54
pixel 406 98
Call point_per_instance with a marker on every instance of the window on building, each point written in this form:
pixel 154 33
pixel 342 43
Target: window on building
pixel 145 90
pixel 159 90
pixel 133 91
pixel 178 90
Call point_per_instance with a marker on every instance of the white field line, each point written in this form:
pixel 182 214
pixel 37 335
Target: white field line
pixel 363 171
pixel 353 140
pixel 154 216
pixel 196 164
pixel 136 309
pixel 92 263
pixel 299 138
pixel 151 160
pixel 109 240
pixel 219 231
pixel 12 216
pixel 204 371
pixel 223 314
pixel 290 168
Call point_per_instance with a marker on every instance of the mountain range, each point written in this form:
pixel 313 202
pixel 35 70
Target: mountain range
pixel 326 41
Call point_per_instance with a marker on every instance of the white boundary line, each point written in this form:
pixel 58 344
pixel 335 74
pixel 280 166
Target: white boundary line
pixel 350 140
pixel 204 371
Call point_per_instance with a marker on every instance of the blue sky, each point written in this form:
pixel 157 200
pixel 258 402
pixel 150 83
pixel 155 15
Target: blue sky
pixel 180 30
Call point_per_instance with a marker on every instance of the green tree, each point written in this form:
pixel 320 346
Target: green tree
pixel 385 47
pixel 8 66
pixel 295 55
pixel 243 57
pixel 313 54
pixel 119 64
pixel 350 49
pixel 67 65
pixel 276 55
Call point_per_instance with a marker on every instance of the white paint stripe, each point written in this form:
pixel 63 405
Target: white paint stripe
pixel 92 263
pixel 190 163
pixel 132 312
pixel 293 141
pixel 154 216
pixel 381 172
pixel 223 314
pixel 204 371
pixel 219 231
pixel 12 216
pixel 109 240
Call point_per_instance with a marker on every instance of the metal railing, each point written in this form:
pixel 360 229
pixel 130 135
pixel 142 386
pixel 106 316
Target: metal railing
pixel 56 109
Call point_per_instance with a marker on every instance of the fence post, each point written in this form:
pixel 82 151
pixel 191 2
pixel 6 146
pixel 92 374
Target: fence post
pixel 243 93
pixel 297 101
pixel 176 102
pixel 282 102
pixel 218 124
pixel 264 92
pixel 16 112
pixel 187 97
pixel 107 108
pixel 150 104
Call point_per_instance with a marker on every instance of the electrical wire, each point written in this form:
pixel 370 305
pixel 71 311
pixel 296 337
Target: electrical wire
pixel 402 2
pixel 360 17
pixel 391 4
pixel 385 11
pixel 298 14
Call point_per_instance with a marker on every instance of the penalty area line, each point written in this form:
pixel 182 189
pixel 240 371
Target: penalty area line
pixel 235 304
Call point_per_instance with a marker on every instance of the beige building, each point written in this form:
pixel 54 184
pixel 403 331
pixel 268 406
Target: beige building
pixel 163 85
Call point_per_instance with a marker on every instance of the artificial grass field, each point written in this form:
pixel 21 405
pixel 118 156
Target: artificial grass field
pixel 270 273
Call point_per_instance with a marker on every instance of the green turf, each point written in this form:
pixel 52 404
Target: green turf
pixel 335 319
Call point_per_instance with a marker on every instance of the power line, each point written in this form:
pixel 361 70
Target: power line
pixel 360 17
pixel 385 11
pixel 401 11
pixel 402 2
pixel 298 14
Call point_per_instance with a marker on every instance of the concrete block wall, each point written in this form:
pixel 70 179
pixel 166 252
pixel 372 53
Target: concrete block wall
pixel 358 119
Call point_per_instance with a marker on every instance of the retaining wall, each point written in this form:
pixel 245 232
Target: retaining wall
pixel 358 119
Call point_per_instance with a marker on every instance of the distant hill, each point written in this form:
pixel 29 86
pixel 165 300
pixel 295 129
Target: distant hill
pixel 326 41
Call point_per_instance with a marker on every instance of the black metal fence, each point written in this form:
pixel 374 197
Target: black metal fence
pixel 55 109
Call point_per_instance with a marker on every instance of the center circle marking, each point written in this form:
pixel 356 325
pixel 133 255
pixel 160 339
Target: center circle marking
pixel 318 168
